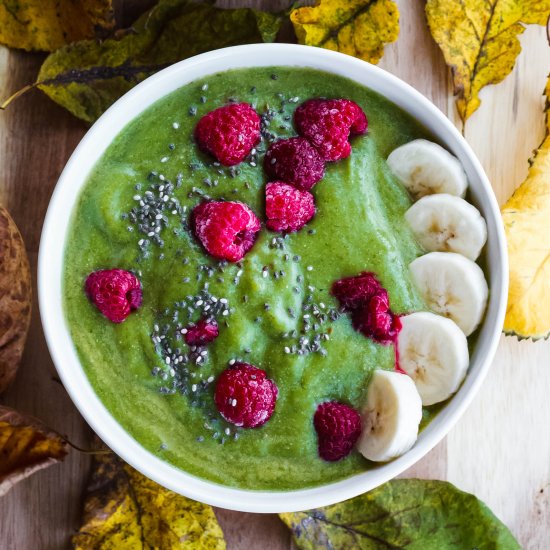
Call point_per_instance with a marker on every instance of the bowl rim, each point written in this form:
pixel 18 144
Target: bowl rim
pixel 59 214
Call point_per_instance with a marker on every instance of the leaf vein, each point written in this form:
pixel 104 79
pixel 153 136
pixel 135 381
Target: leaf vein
pixel 333 33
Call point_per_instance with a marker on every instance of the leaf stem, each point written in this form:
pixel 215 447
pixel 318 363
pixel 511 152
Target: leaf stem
pixel 86 451
pixel 17 94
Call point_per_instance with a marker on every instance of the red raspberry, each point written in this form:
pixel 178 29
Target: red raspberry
pixel 245 396
pixel 376 320
pixel 294 161
pixel 328 123
pixel 338 427
pixel 115 292
pixel 226 229
pixel 201 333
pixel 229 132
pixel 287 208
pixel 368 302
pixel 355 292
pixel 354 116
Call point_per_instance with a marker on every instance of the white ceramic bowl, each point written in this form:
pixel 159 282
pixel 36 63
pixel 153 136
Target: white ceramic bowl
pixel 74 177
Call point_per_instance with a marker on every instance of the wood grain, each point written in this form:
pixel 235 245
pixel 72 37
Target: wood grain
pixel 500 449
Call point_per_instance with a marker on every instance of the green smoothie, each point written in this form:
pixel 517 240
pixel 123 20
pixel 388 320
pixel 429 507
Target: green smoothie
pixel 359 226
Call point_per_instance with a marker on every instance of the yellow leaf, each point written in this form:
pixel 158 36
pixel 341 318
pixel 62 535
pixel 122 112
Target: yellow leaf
pixel 356 27
pixel 479 40
pixel 26 446
pixel 526 218
pixel 49 24
pixel 124 509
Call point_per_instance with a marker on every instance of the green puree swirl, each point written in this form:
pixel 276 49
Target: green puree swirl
pixel 359 226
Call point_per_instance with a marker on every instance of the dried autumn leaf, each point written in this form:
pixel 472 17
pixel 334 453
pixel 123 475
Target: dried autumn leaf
pixel 49 24
pixel 404 513
pixel 124 509
pixel 479 41
pixel 526 218
pixel 26 446
pixel 87 77
pixel 356 27
pixel 15 298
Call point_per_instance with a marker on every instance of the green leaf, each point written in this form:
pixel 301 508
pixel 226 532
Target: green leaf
pixel 404 513
pixel 87 77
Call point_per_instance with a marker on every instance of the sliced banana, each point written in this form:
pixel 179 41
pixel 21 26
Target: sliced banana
pixel 447 223
pixel 425 168
pixel 433 351
pixel 452 286
pixel 391 416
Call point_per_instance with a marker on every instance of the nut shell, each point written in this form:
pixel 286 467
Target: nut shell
pixel 15 298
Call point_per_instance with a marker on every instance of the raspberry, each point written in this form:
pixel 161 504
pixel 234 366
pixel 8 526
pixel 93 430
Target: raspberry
pixel 294 161
pixel 245 396
pixel 328 123
pixel 368 302
pixel 287 208
pixel 355 292
pixel 338 427
pixel 201 333
pixel 226 229
pixel 354 115
pixel 115 292
pixel 376 320
pixel 229 132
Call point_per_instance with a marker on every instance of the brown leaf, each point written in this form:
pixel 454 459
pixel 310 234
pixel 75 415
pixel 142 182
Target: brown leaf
pixel 124 509
pixel 15 298
pixel 26 446
pixel 49 24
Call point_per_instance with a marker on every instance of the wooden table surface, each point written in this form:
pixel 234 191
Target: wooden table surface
pixel 499 450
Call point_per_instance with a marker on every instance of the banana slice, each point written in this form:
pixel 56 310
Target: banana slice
pixel 448 224
pixel 390 417
pixel 452 286
pixel 425 168
pixel 433 351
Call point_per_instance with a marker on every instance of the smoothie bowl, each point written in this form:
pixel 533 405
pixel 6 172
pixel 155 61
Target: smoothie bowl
pixel 258 277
